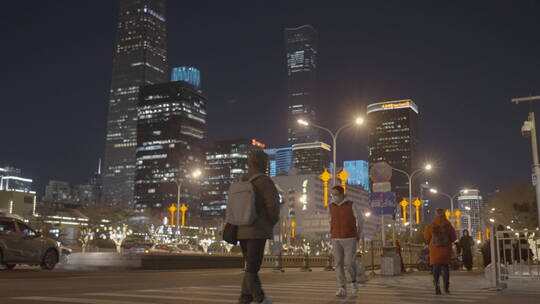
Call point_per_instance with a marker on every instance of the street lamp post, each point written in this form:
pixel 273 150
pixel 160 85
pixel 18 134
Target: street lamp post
pixel 195 174
pixel 529 129
pixel 410 177
pixel 358 121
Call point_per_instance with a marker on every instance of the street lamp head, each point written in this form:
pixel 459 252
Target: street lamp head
pixel 492 220
pixel 197 173
pixel 367 214
pixel 428 167
pixel 433 190
pixel 359 121
pixel 303 122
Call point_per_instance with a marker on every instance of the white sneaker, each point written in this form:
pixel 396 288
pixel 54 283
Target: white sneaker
pixel 341 292
pixel 354 288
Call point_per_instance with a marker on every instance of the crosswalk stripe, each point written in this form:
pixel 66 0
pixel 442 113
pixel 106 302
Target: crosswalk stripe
pixel 77 300
pixel 277 293
pixel 286 297
pixel 364 290
pixel 128 295
pixel 397 288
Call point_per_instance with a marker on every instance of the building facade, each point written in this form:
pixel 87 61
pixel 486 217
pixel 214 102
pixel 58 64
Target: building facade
pixel 57 191
pixel 358 173
pixel 140 58
pixel 225 163
pixel 393 138
pixel 11 179
pixel 471 204
pixel 311 157
pixel 170 137
pixel 301 45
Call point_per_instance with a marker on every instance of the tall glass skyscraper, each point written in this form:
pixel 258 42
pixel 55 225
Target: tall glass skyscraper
pixel 170 136
pixel 140 58
pixel 301 44
pixel 393 138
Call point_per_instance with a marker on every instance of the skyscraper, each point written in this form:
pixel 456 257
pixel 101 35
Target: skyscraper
pixel 471 204
pixel 170 135
pixel 140 58
pixel 393 138
pixel 301 45
pixel 311 158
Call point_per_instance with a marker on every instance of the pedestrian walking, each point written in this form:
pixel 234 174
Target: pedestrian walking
pixel 253 237
pixel 440 235
pixel 346 225
pixel 399 253
pixel 466 244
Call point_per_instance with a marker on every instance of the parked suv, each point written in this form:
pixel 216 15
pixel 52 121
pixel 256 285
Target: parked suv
pixel 20 244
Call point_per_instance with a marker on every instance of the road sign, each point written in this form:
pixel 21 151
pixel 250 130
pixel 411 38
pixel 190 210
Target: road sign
pixel 383 202
pixel 380 172
pixel 382 187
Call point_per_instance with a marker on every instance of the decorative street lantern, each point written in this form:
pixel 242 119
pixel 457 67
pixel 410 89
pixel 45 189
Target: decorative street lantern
pixel 404 205
pixel 417 203
pixel 325 177
pixel 172 210
pixel 183 209
pixel 343 176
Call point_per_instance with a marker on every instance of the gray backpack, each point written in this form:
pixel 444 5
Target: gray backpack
pixel 241 209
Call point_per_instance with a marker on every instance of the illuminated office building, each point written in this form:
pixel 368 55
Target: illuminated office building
pixel 358 173
pixel 11 179
pixel 190 75
pixel 471 204
pixel 170 136
pixel 311 157
pixel 226 162
pixel 301 45
pixel 393 138
pixel 140 58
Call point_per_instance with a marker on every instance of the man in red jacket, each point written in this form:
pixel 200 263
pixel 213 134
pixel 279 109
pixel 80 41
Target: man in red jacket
pixel 346 228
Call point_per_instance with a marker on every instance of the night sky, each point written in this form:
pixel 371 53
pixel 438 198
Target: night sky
pixel 460 61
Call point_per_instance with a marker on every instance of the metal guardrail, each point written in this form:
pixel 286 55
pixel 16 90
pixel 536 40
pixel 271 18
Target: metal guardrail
pixel 518 255
pixel 370 258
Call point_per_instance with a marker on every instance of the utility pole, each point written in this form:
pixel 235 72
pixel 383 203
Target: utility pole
pixel 529 129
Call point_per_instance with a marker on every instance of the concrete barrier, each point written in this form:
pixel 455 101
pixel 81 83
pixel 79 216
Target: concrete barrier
pixel 109 260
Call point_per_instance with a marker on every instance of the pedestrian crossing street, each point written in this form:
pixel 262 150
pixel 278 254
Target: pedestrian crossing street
pixel 279 293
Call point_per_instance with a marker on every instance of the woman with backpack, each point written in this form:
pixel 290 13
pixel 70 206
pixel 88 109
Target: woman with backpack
pixel 440 235
pixel 253 236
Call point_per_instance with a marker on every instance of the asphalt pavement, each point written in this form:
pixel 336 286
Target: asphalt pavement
pixel 34 286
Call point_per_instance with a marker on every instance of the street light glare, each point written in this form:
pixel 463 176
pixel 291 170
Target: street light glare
pixel 492 220
pixel 433 190
pixel 359 121
pixel 197 173
pixel 368 214
pixel 428 167
pixel 303 122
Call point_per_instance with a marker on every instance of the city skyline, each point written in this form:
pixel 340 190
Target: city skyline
pixel 471 118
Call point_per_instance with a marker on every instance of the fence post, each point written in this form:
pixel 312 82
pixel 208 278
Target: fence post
pixel 328 266
pixel 372 259
pixel 278 264
pixel 305 263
